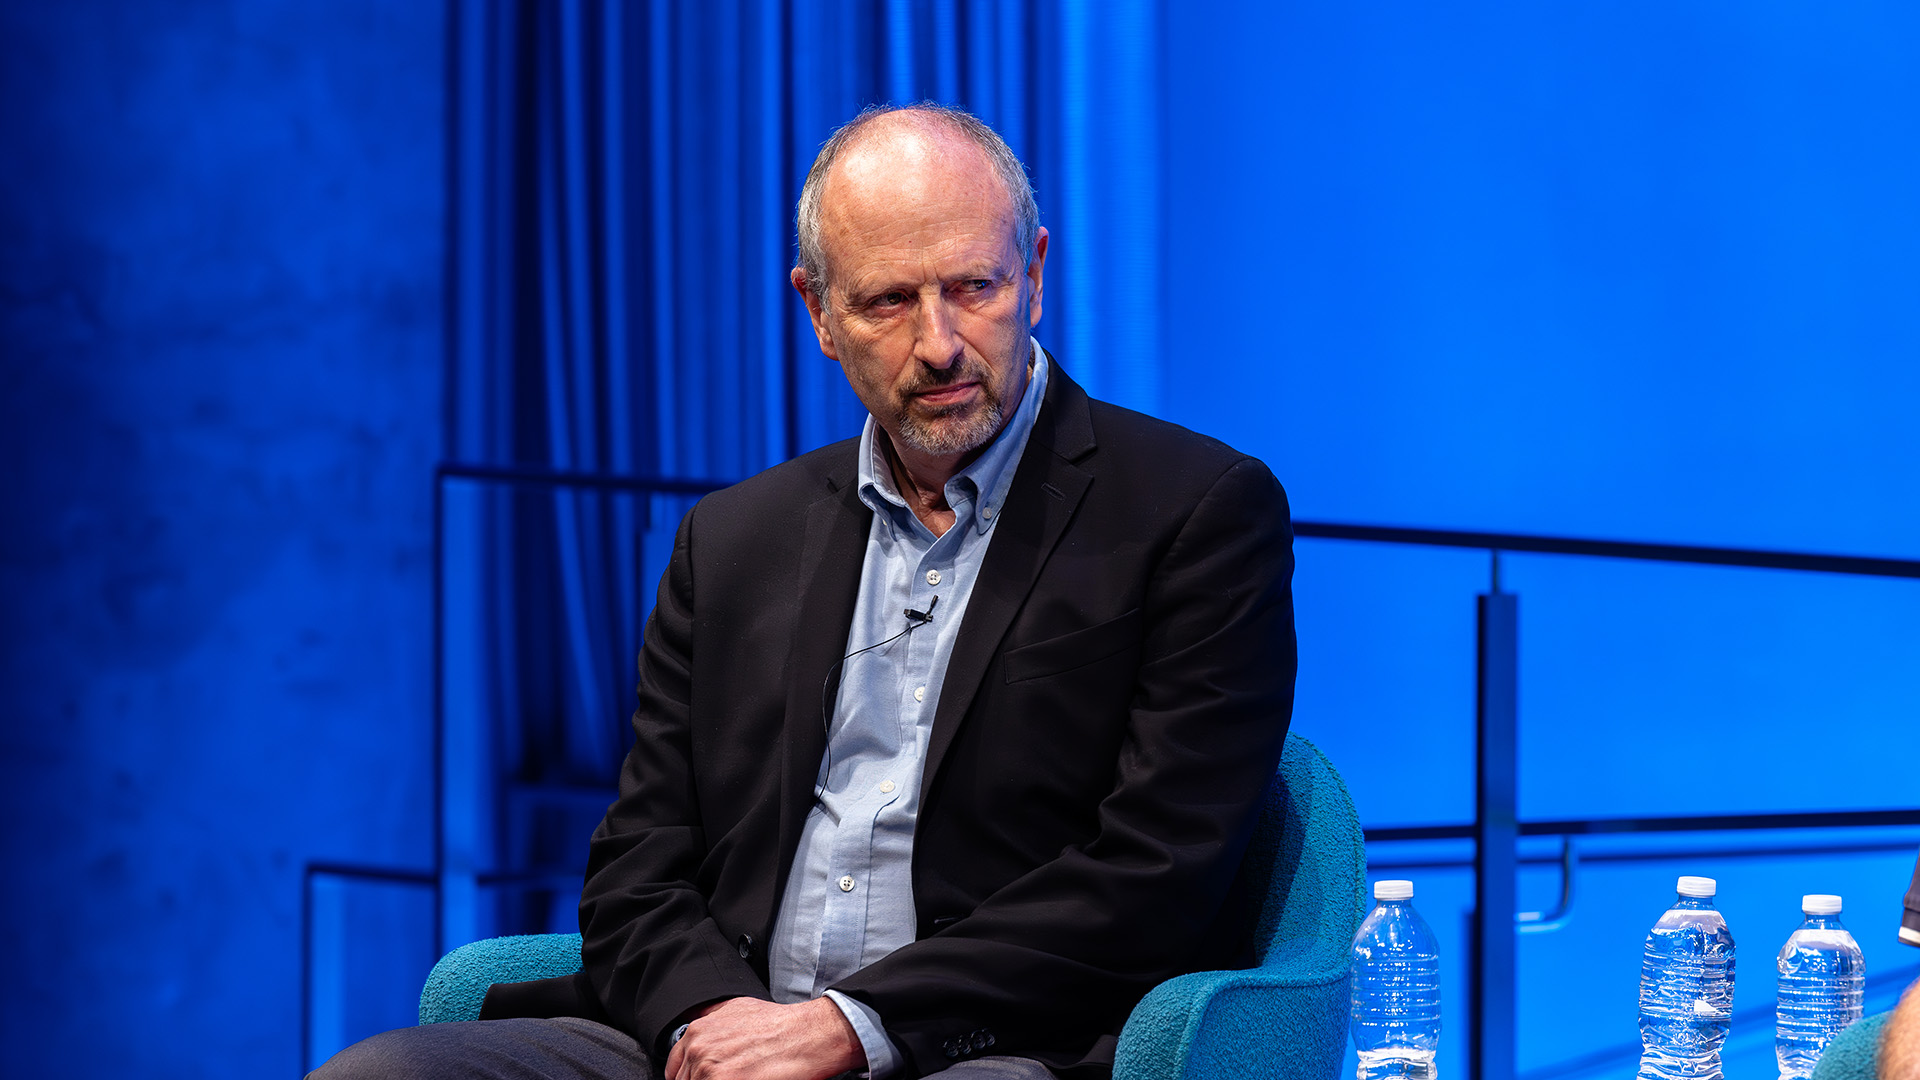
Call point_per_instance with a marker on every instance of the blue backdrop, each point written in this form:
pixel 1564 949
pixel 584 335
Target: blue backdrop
pixel 1632 272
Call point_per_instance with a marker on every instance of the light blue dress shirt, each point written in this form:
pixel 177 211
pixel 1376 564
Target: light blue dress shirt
pixel 849 897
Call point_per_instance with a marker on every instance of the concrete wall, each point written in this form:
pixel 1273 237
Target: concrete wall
pixel 220 364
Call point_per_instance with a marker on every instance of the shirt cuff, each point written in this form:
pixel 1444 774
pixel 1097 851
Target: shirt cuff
pixel 882 1059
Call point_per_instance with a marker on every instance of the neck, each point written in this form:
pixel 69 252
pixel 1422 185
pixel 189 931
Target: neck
pixel 922 482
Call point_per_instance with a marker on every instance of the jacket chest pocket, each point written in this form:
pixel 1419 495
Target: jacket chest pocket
pixel 1077 649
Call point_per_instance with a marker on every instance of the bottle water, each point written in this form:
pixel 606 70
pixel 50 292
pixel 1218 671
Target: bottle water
pixel 1686 988
pixel 1822 979
pixel 1396 988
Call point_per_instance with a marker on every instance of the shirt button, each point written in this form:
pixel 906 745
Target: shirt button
pixel 846 883
pixel 886 787
pixel 987 513
pixel 933 577
pixel 919 693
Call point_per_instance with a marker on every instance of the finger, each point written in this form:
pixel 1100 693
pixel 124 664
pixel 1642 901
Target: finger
pixel 676 1060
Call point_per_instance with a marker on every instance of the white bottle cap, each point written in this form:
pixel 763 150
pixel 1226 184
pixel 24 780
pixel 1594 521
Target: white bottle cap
pixel 1820 904
pixel 1393 890
pixel 1696 886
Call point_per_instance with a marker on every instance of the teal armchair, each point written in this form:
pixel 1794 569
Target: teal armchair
pixel 1303 885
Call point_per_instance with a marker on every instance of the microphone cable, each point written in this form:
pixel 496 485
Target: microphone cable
pixel 915 620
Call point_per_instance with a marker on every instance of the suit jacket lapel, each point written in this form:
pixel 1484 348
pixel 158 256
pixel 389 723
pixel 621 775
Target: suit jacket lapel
pixel 1046 490
pixel 832 552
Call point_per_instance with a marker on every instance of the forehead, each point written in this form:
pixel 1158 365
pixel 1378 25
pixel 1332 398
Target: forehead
pixel 913 196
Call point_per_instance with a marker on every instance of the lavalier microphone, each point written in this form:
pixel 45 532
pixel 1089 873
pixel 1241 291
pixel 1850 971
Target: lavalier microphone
pixel 918 617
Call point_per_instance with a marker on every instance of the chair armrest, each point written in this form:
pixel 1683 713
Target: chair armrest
pixel 1274 1021
pixel 1851 1055
pixel 458 983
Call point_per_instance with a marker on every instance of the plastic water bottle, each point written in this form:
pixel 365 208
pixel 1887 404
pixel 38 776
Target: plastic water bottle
pixel 1686 988
pixel 1822 979
pixel 1396 988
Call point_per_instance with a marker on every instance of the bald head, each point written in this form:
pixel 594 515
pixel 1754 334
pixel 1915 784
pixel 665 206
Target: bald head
pixel 899 153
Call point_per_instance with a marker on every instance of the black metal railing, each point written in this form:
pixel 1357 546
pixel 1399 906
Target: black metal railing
pixel 1496 828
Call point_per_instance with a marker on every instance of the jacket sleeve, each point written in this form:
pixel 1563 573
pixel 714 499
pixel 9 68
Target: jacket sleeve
pixel 1055 958
pixel 650 949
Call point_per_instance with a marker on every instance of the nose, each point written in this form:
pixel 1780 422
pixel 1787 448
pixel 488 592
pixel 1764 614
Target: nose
pixel 935 342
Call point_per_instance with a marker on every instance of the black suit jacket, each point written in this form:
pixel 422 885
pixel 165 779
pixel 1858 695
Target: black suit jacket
pixel 1113 708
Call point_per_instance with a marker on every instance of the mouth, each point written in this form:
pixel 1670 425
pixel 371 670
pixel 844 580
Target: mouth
pixel 951 394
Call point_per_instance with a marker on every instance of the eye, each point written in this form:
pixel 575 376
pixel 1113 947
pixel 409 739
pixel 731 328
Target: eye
pixel 890 299
pixel 976 285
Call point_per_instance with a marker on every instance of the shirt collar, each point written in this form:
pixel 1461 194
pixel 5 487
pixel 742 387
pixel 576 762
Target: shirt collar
pixel 988 477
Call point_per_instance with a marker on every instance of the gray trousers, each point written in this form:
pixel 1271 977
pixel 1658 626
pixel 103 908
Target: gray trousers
pixel 562 1049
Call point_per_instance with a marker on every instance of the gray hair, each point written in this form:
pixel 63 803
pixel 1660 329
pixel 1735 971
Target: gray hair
pixel 1026 214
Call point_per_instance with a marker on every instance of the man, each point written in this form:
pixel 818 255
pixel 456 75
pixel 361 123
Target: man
pixel 949 738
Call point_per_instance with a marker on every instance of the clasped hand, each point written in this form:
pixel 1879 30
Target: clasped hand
pixel 750 1039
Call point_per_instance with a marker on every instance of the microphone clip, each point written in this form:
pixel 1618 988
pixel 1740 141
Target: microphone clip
pixel 918 618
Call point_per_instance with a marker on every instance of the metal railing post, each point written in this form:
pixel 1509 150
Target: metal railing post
pixel 1491 970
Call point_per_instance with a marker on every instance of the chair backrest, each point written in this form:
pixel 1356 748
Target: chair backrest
pixel 1306 863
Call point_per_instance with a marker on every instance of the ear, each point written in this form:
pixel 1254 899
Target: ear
pixel 1035 275
pixel 815 311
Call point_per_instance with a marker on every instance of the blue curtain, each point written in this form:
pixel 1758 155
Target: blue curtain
pixel 622 185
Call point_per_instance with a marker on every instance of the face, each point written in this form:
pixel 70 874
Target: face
pixel 927 305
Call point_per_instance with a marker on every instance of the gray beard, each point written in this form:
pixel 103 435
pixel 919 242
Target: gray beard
pixel 948 433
